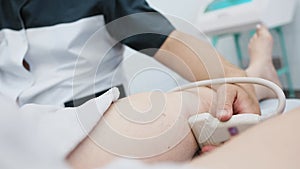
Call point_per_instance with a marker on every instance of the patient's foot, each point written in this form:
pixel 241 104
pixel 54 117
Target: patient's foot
pixel 261 65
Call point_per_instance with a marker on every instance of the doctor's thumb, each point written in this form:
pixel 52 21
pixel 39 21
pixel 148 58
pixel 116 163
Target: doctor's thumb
pixel 225 100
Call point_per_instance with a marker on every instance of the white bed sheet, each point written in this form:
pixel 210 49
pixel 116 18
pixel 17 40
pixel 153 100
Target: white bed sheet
pixel 270 105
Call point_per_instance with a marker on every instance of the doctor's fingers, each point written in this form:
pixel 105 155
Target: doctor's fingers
pixel 235 99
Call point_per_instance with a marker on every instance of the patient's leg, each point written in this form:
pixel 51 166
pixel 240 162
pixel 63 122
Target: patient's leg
pixel 260 51
pixel 162 134
pixel 272 144
pixel 174 109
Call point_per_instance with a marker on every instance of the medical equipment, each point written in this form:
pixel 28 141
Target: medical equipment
pixel 230 16
pixel 210 131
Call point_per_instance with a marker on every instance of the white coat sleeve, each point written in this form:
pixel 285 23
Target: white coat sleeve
pixel 67 127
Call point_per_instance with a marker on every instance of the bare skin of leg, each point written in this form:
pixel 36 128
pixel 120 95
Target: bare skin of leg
pixel 272 144
pixel 177 108
pixel 260 52
pixel 264 146
pixel 167 138
pixel 91 152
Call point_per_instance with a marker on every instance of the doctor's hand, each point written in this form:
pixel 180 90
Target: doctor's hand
pixel 235 99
